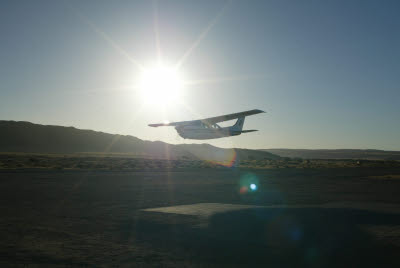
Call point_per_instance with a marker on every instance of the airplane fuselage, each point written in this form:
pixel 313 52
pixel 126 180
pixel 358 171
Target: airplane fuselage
pixel 201 133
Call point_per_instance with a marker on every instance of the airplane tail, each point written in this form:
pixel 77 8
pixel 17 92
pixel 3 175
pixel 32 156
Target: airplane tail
pixel 238 126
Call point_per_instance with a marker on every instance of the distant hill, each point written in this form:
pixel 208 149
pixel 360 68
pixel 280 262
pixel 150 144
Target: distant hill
pixel 34 138
pixel 207 151
pixel 336 154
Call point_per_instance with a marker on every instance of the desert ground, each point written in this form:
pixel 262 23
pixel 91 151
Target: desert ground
pixel 200 217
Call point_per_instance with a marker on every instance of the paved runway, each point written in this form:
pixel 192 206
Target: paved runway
pixel 295 218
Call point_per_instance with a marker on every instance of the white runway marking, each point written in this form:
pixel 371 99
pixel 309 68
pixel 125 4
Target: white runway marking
pixel 209 209
pixel 201 209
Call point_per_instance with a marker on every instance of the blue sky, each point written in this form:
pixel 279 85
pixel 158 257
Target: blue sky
pixel 326 72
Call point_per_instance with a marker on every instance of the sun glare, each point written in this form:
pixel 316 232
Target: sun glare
pixel 160 85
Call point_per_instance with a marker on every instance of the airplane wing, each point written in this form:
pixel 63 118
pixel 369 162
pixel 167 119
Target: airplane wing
pixel 227 117
pixel 173 124
pixel 211 120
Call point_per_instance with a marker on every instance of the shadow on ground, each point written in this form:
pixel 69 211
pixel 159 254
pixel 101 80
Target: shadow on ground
pixel 287 237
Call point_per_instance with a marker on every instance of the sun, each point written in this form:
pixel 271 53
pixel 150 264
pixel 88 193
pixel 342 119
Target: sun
pixel 161 85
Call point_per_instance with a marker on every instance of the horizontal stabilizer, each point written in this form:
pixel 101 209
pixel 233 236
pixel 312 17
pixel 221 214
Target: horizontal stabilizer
pixel 250 130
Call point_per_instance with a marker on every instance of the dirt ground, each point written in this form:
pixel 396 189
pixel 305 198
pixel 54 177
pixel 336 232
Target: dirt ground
pixel 329 217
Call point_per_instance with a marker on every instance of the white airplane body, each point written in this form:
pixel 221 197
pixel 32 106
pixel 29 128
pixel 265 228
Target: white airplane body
pixel 208 128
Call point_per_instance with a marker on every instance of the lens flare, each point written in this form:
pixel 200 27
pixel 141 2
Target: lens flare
pixel 248 183
pixel 243 190
pixel 231 160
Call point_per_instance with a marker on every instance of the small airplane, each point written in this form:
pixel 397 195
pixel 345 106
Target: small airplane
pixel 204 129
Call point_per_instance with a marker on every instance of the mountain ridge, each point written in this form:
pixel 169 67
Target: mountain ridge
pixel 367 154
pixel 23 136
pixel 28 137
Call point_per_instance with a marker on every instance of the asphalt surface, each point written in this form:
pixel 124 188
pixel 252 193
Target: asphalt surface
pixel 292 218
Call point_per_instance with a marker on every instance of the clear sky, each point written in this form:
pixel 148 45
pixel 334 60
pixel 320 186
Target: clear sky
pixel 326 72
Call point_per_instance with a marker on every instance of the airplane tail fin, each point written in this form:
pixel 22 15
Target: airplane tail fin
pixel 238 126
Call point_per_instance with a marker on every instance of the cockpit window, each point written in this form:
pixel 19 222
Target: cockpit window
pixel 213 126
